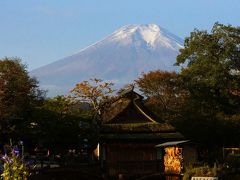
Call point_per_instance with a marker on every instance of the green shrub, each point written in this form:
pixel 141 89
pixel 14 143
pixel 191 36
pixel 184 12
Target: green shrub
pixel 14 168
pixel 233 160
pixel 203 171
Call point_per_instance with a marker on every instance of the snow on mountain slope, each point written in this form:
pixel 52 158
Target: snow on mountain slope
pixel 120 57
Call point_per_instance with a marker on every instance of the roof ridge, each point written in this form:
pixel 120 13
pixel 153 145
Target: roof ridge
pixel 141 111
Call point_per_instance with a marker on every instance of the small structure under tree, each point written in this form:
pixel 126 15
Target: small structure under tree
pixel 177 155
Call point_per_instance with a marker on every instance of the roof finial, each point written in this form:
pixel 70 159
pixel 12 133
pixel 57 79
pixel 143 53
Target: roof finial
pixel 126 89
pixel 131 86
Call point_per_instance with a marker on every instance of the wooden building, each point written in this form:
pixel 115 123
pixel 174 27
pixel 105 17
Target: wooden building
pixel 129 135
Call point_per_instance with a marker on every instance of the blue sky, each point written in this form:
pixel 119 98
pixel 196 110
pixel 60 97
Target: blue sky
pixel 43 31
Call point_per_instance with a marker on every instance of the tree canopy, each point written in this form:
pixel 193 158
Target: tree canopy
pixel 164 91
pixel 57 124
pixel 18 92
pixel 203 99
pixel 95 92
pixel 211 74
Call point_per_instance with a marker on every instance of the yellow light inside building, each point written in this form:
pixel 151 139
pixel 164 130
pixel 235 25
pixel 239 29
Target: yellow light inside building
pixel 173 160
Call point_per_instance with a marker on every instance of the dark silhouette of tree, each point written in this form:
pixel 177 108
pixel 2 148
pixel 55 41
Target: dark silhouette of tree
pixel 18 95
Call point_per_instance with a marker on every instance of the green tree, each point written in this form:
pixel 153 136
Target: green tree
pixel 61 105
pixel 211 73
pixel 18 94
pixel 61 123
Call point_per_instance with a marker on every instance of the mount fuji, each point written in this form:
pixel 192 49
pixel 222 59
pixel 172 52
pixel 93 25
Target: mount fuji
pixel 120 57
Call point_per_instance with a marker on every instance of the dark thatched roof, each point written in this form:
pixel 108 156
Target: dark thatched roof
pixel 116 108
pixel 128 119
pixel 128 108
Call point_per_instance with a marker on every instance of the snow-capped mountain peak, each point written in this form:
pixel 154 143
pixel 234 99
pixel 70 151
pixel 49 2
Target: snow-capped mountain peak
pixel 120 57
pixel 151 34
